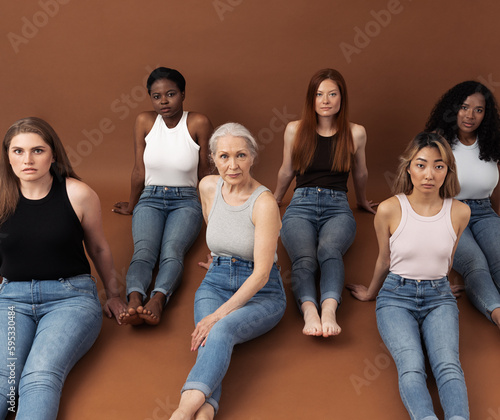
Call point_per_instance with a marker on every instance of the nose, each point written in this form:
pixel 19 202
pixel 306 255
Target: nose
pixel 326 99
pixel 28 158
pixel 233 164
pixel 429 173
pixel 469 113
pixel 164 99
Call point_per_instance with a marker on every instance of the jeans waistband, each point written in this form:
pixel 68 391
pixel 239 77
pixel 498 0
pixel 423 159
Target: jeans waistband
pixel 237 261
pixel 171 190
pixel 478 201
pixel 77 277
pixel 304 191
pixel 404 280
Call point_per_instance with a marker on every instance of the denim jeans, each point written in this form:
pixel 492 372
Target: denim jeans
pixel 477 258
pixel 50 324
pixel 412 313
pixel 165 223
pixel 318 229
pixel 259 315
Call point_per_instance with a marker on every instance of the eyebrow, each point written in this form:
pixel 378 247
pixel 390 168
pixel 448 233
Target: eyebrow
pixel 465 103
pixel 425 160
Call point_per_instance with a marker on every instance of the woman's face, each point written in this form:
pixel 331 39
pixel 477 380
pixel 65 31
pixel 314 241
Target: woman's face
pixel 166 98
pixel 328 99
pixel 233 159
pixel 471 114
pixel 30 157
pixel 428 170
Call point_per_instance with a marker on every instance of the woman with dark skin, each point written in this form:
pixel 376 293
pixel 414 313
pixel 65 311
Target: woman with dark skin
pixel 171 154
pixel 467 117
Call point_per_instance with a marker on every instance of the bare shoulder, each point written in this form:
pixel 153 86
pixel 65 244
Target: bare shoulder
pixel 266 202
pixel 146 118
pixel 79 192
pixel 389 208
pixel 460 210
pixel 358 134
pixel 292 127
pixel 197 119
pixel 208 185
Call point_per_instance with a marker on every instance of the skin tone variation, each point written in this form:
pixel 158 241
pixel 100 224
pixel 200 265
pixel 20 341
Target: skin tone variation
pixel 327 105
pixel 167 100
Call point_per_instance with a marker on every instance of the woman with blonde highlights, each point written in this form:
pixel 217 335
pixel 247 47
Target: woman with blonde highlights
pixel 417 231
pixel 320 151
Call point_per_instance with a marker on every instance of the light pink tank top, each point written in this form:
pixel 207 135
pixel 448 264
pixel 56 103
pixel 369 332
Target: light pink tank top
pixel 421 246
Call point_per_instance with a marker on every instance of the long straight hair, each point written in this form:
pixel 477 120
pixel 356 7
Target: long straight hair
pixel 306 137
pixel 9 182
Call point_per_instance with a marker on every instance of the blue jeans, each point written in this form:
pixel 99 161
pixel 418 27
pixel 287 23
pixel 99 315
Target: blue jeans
pixel 165 223
pixel 477 258
pixel 259 315
pixel 46 326
pixel 413 313
pixel 318 229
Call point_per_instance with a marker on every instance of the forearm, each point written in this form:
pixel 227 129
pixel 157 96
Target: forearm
pixel 247 290
pixel 284 181
pixel 136 187
pixel 379 274
pixel 360 179
pixel 103 262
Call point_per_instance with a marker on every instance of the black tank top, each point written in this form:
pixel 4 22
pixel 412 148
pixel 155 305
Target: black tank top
pixel 43 239
pixel 319 173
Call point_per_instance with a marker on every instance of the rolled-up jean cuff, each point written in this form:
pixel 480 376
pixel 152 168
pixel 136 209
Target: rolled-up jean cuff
pixel 490 318
pixel 457 418
pixel 331 295
pixel 435 418
pixel 304 299
pixel 199 386
pixel 136 289
pixel 160 290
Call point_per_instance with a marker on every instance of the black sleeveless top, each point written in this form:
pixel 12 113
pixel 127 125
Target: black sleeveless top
pixel 319 173
pixel 43 239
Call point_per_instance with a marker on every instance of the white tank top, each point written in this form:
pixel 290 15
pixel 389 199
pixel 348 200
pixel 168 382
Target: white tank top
pixel 477 178
pixel 421 246
pixel 171 156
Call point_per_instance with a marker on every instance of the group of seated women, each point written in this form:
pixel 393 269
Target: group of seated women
pixel 444 213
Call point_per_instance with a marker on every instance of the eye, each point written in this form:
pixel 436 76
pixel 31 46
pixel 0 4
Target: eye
pixel 170 94
pixel 156 97
pixel 242 155
pixel 38 151
pixel 464 108
pixel 319 94
pixel 440 167
pixel 419 165
pixel 333 94
pixel 223 156
pixel 479 110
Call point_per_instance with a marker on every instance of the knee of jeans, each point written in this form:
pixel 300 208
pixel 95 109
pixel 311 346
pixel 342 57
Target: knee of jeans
pixel 40 381
pixel 305 263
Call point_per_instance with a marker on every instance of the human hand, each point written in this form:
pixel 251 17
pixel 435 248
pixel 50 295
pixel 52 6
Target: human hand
pixel 200 333
pixel 115 306
pixel 368 205
pixel 206 265
pixel 456 289
pixel 360 292
pixel 122 207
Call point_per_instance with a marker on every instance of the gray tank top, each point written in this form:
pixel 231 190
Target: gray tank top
pixel 230 230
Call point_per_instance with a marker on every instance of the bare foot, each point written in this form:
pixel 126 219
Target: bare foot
pixel 206 412
pixel 495 317
pixel 150 313
pixel 180 415
pixel 131 317
pixel 312 322
pixel 329 319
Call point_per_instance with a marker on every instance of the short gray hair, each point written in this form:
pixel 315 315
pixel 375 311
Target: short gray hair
pixel 235 130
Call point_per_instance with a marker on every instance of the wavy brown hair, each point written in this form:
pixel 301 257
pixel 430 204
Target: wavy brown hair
pixel 306 140
pixel 403 184
pixel 9 182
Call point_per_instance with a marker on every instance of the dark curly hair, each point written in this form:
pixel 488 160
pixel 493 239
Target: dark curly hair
pixel 443 118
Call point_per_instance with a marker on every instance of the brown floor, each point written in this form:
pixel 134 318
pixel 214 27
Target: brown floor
pixel 137 373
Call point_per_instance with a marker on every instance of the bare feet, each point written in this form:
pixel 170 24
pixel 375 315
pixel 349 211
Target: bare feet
pixel 329 319
pixel 180 415
pixel 206 412
pixel 192 403
pixel 495 317
pixel 311 319
pixel 131 317
pixel 150 313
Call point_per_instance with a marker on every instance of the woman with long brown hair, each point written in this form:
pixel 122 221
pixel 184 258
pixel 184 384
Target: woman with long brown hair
pixel 320 151
pixel 49 306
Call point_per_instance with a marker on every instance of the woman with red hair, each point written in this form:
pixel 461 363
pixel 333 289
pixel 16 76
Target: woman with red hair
pixel 320 151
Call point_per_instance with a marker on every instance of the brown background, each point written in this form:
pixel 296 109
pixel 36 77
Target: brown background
pixel 82 65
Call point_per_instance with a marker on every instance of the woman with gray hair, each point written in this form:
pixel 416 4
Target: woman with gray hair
pixel 242 295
